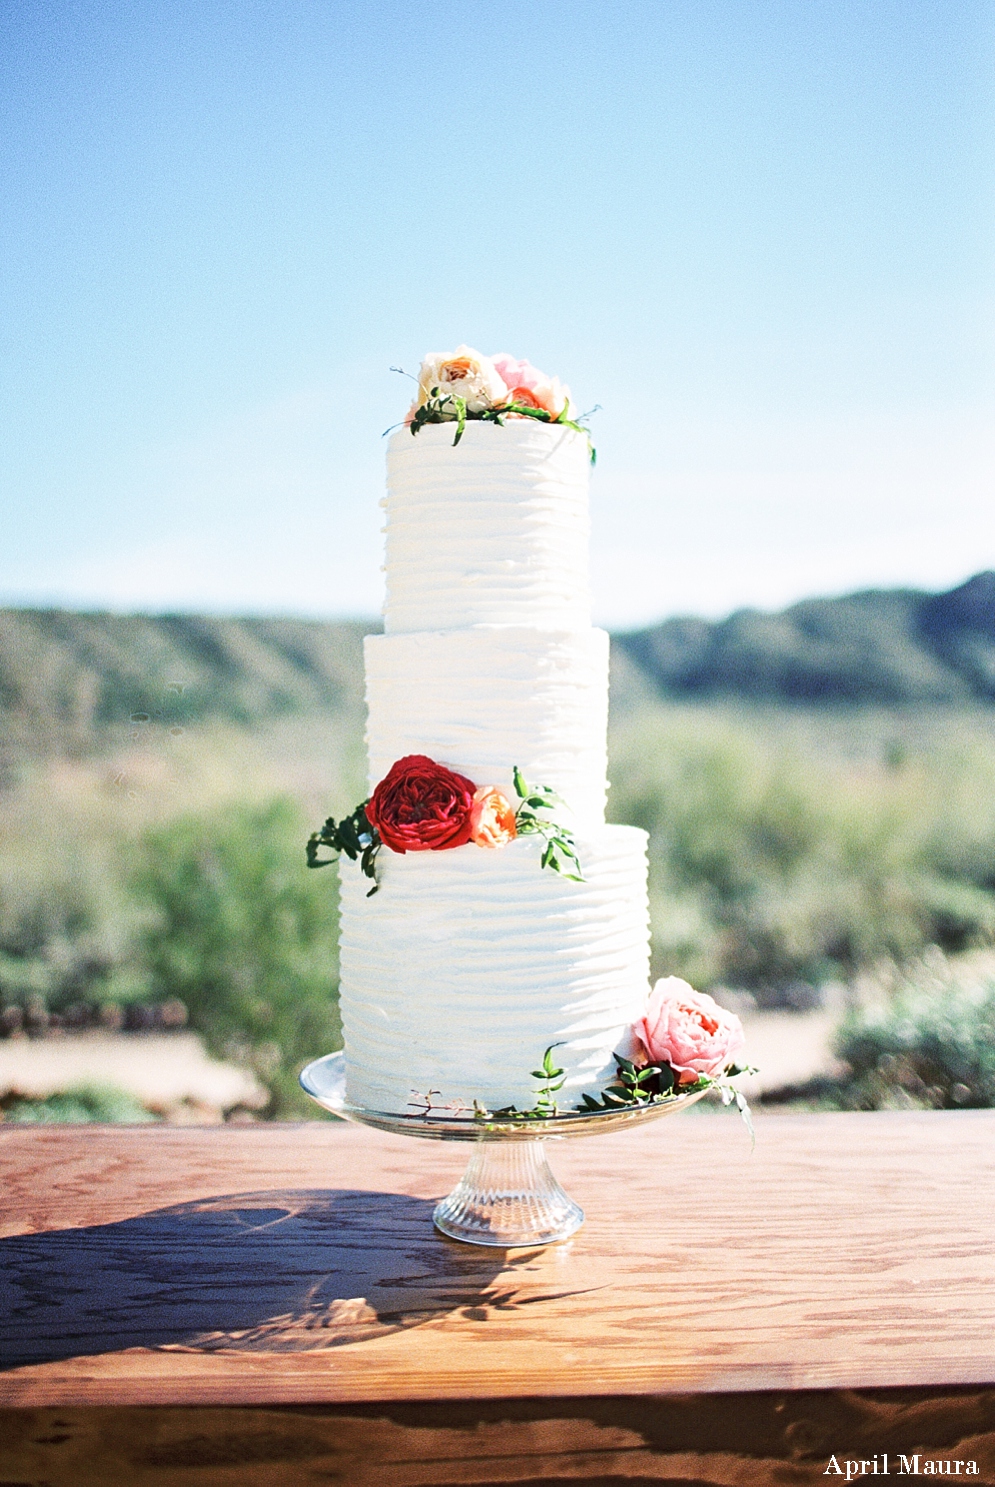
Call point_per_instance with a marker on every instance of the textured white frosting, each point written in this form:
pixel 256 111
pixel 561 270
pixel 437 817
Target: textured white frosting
pixel 467 964
pixel 483 700
pixel 492 532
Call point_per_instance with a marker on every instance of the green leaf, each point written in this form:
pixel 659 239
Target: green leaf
pixel 352 835
pixel 369 859
pixel 349 837
pixel 521 788
pixel 313 860
pixel 524 410
pixel 744 1110
pixel 460 404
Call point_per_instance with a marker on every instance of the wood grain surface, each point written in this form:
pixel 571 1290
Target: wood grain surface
pixel 298 1266
pixel 706 1440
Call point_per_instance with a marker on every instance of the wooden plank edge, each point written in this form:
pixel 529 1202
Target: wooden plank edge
pixel 264 1384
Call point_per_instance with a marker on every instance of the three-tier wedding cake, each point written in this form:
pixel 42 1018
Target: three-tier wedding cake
pixel 470 962
pixel 474 955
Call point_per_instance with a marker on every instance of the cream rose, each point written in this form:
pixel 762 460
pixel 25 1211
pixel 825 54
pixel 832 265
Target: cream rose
pixel 463 373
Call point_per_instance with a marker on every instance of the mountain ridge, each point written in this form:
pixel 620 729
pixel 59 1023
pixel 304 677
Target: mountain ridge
pixel 68 676
pixel 884 646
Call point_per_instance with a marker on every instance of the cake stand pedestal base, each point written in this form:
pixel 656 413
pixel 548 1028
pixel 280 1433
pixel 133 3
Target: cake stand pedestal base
pixel 508 1197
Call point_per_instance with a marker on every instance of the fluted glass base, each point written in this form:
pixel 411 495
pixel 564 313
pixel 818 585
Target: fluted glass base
pixel 507 1197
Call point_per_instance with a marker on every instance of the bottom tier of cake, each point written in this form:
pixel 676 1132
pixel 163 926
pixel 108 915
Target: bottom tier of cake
pixel 467 964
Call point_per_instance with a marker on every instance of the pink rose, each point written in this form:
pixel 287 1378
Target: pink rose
pixel 688 1030
pixel 526 384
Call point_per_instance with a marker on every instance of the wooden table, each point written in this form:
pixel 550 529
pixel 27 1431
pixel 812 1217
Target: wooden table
pixel 270 1304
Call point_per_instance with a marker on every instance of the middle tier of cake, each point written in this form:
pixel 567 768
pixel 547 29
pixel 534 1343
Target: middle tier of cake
pixel 467 964
pixel 486 699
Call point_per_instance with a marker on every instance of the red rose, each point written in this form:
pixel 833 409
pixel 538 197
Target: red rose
pixel 421 806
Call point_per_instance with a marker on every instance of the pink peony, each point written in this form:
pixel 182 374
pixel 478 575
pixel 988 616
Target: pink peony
pixel 526 384
pixel 688 1030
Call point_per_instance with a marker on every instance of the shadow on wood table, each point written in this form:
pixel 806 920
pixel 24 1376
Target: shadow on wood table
pixel 183 1302
pixel 277 1271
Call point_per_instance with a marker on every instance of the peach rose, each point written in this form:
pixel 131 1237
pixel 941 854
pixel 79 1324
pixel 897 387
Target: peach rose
pixel 464 373
pixel 526 384
pixel 492 818
pixel 688 1030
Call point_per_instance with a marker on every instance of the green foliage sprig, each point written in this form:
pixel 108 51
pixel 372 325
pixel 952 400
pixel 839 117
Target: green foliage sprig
pixel 560 851
pixel 446 407
pixel 657 1082
pixel 633 1086
pixel 442 407
pixel 353 835
pixel 552 1079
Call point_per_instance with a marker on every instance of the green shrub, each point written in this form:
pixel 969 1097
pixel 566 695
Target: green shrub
pixel 931 1046
pixel 245 937
pixel 80 1105
pixel 67 918
pixel 772 863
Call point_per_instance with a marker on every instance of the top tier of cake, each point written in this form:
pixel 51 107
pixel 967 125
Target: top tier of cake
pixel 489 659
pixel 492 532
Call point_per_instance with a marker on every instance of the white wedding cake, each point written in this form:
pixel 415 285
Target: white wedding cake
pixel 467 963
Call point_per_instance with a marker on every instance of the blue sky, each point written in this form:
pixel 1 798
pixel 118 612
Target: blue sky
pixel 758 232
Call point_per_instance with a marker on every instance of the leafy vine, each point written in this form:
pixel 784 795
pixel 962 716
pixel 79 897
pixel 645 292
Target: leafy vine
pixel 355 836
pixel 449 407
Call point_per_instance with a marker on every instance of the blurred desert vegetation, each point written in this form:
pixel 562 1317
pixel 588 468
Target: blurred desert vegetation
pixel 819 786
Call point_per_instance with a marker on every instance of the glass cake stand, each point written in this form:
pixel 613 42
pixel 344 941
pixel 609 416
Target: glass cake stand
pixel 507 1196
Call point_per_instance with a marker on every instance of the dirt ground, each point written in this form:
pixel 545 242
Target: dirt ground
pixel 168 1072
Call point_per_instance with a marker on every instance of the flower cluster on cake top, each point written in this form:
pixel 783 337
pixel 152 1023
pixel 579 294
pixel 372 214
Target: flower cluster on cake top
pixel 461 385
